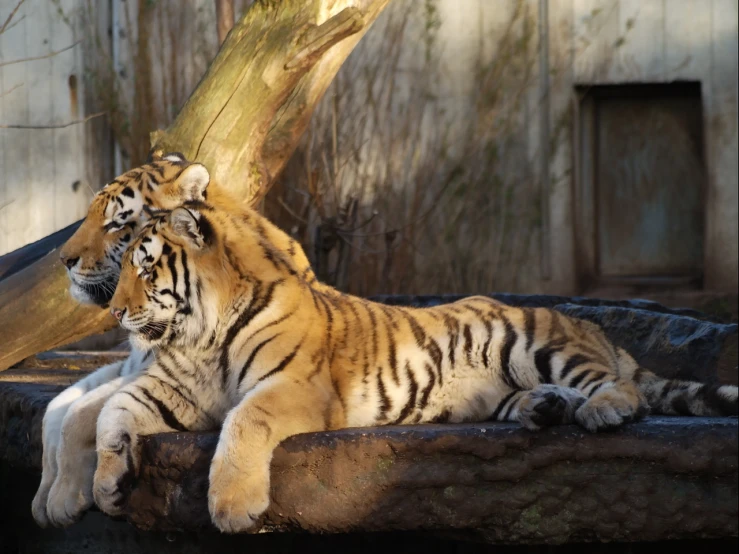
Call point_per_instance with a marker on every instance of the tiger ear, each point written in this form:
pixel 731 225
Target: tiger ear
pixel 158 155
pixel 155 156
pixel 192 183
pixel 184 224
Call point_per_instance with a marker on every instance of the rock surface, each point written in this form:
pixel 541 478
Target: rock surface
pixel 674 346
pixel 663 478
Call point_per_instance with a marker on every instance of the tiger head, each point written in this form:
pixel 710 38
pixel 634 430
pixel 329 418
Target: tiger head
pixel 93 253
pixel 165 287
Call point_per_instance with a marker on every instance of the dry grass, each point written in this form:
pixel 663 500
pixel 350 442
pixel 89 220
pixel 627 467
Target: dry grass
pixel 391 191
pixel 165 47
pixel 391 194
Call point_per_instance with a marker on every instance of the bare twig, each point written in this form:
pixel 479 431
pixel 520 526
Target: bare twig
pixel 34 58
pixel 289 210
pixel 14 23
pixel 10 90
pixel 10 17
pixel 60 126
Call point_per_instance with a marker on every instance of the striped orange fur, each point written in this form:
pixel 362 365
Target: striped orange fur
pixel 93 258
pixel 243 337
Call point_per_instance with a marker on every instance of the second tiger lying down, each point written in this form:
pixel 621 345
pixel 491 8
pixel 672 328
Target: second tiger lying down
pixel 242 337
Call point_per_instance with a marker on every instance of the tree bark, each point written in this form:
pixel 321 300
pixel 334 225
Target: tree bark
pixel 243 122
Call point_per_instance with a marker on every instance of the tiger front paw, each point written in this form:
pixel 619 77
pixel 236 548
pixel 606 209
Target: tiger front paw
pixel 609 410
pixel 548 405
pixel 48 475
pixel 71 494
pixel 114 476
pixel 38 506
pixel 236 498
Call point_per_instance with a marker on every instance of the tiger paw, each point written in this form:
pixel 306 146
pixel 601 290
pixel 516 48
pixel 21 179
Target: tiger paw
pixel 548 405
pixel 48 476
pixel 69 498
pixel 236 499
pixel 49 470
pixel 114 477
pixel 70 495
pixel 38 506
pixel 610 409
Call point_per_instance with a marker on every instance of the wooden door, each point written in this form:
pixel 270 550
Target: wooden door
pixel 646 176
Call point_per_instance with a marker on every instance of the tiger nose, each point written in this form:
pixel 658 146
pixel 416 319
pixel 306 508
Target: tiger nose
pixel 117 313
pixel 69 262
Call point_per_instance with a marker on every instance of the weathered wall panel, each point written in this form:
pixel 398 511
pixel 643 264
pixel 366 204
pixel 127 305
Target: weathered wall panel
pixel 39 88
pixel 687 40
pixel 641 56
pixel 71 187
pixel 596 31
pixel 16 142
pixel 721 130
pixel 39 166
pixel 563 121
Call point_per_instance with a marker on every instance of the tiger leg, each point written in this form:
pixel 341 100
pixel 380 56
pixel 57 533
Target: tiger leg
pixel 51 433
pixel 71 494
pixel 239 473
pixel 542 406
pixel 612 401
pixel 150 404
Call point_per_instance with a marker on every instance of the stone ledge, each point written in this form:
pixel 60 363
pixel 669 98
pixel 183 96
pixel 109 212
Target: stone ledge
pixel 664 478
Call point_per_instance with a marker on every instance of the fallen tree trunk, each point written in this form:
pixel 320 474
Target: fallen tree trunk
pixel 243 122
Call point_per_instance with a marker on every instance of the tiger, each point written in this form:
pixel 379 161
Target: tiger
pixel 241 338
pixel 92 257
